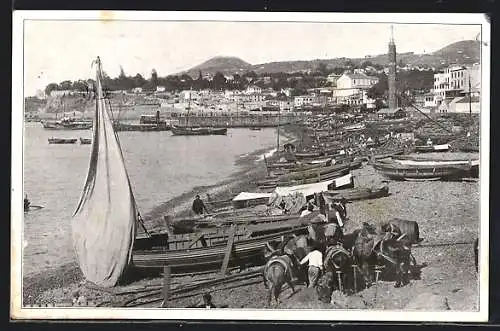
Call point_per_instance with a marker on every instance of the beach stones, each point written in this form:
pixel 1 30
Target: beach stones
pixel 429 302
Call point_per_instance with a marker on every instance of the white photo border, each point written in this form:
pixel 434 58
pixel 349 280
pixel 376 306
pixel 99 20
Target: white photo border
pixel 17 312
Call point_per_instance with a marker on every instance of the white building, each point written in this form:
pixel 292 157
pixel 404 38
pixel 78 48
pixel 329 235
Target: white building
pixel 304 100
pixel 61 93
pixel 190 95
pixel 253 89
pixel 352 89
pixel 453 82
pixel 332 78
pixel 286 91
pixel 160 89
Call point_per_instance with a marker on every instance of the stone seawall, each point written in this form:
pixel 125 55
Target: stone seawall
pixel 235 121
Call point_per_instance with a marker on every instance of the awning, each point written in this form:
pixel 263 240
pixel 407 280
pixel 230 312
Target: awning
pixel 251 196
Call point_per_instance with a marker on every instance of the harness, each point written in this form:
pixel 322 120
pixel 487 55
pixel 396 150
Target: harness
pixel 284 260
pixel 336 250
pixel 382 254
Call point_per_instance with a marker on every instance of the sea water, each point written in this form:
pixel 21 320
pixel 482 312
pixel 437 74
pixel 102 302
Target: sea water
pixel 160 166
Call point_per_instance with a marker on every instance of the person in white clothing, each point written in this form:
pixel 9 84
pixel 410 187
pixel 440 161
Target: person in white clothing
pixel 315 259
pixel 310 208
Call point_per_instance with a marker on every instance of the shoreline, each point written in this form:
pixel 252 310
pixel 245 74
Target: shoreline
pixel 249 167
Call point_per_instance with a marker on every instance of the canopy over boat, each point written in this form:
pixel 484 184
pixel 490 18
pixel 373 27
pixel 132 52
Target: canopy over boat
pixel 104 222
pixel 251 196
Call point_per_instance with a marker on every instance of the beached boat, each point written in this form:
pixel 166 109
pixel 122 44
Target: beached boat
pixel 85 141
pixel 432 148
pixel 271 183
pixel 201 131
pixel 62 140
pixel 358 193
pixel 430 161
pixel 397 171
pixel 199 254
pixel 251 225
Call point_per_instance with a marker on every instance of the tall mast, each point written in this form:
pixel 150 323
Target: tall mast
pixel 278 136
pixel 470 98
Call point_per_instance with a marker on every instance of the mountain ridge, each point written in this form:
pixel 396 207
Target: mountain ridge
pixel 460 52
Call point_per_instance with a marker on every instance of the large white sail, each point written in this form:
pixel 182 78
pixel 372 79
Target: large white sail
pixel 104 222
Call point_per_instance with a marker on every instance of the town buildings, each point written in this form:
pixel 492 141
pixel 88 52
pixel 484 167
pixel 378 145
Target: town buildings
pixel 456 86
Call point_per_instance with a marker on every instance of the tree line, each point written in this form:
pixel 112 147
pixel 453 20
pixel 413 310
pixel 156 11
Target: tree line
pixel 299 82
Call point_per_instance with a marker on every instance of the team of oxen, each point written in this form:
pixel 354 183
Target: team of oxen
pixel 351 262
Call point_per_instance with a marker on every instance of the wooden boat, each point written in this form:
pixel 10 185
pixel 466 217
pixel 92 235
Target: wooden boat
pixel 162 126
pixel 377 157
pixel 32 208
pixel 397 171
pixel 207 254
pixel 428 161
pixel 202 131
pixel 67 124
pixel 62 141
pixel 270 183
pixel 305 155
pixel 255 224
pixel 359 193
pixel 432 148
pixel 85 141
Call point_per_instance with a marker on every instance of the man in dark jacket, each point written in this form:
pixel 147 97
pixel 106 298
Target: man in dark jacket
pixel 198 206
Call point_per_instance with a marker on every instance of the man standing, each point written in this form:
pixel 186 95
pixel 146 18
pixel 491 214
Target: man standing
pixel 315 259
pixel 198 206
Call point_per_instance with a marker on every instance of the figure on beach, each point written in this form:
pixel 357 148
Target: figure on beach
pixel 198 206
pixel 315 259
pixel 27 203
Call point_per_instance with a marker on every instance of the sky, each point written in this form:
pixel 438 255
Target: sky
pixel 63 50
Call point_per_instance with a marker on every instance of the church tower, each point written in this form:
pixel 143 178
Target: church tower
pixel 393 103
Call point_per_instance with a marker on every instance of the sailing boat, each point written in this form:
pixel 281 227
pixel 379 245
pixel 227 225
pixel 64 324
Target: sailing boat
pixel 104 222
pixel 192 131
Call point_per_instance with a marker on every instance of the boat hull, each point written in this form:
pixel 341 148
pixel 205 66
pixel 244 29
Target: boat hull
pixel 405 172
pixel 62 141
pixel 204 131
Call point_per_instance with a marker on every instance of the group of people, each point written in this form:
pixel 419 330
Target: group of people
pixel 314 258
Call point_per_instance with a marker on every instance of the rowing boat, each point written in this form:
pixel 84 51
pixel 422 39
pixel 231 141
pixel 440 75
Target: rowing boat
pixel 62 141
pixel 359 193
pixel 397 171
pixel 203 131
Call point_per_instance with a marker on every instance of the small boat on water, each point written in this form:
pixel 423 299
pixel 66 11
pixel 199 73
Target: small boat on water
pixel 85 141
pixel 67 124
pixel 201 131
pixel 432 148
pixel 62 140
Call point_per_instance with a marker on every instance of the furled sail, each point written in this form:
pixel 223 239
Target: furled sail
pixel 104 222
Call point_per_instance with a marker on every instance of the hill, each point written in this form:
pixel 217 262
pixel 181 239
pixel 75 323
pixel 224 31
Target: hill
pixel 223 64
pixel 462 52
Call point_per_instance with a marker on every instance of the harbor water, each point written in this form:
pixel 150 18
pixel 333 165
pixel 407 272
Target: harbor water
pixel 160 166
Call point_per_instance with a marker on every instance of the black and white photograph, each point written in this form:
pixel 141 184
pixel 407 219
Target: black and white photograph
pixel 261 166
